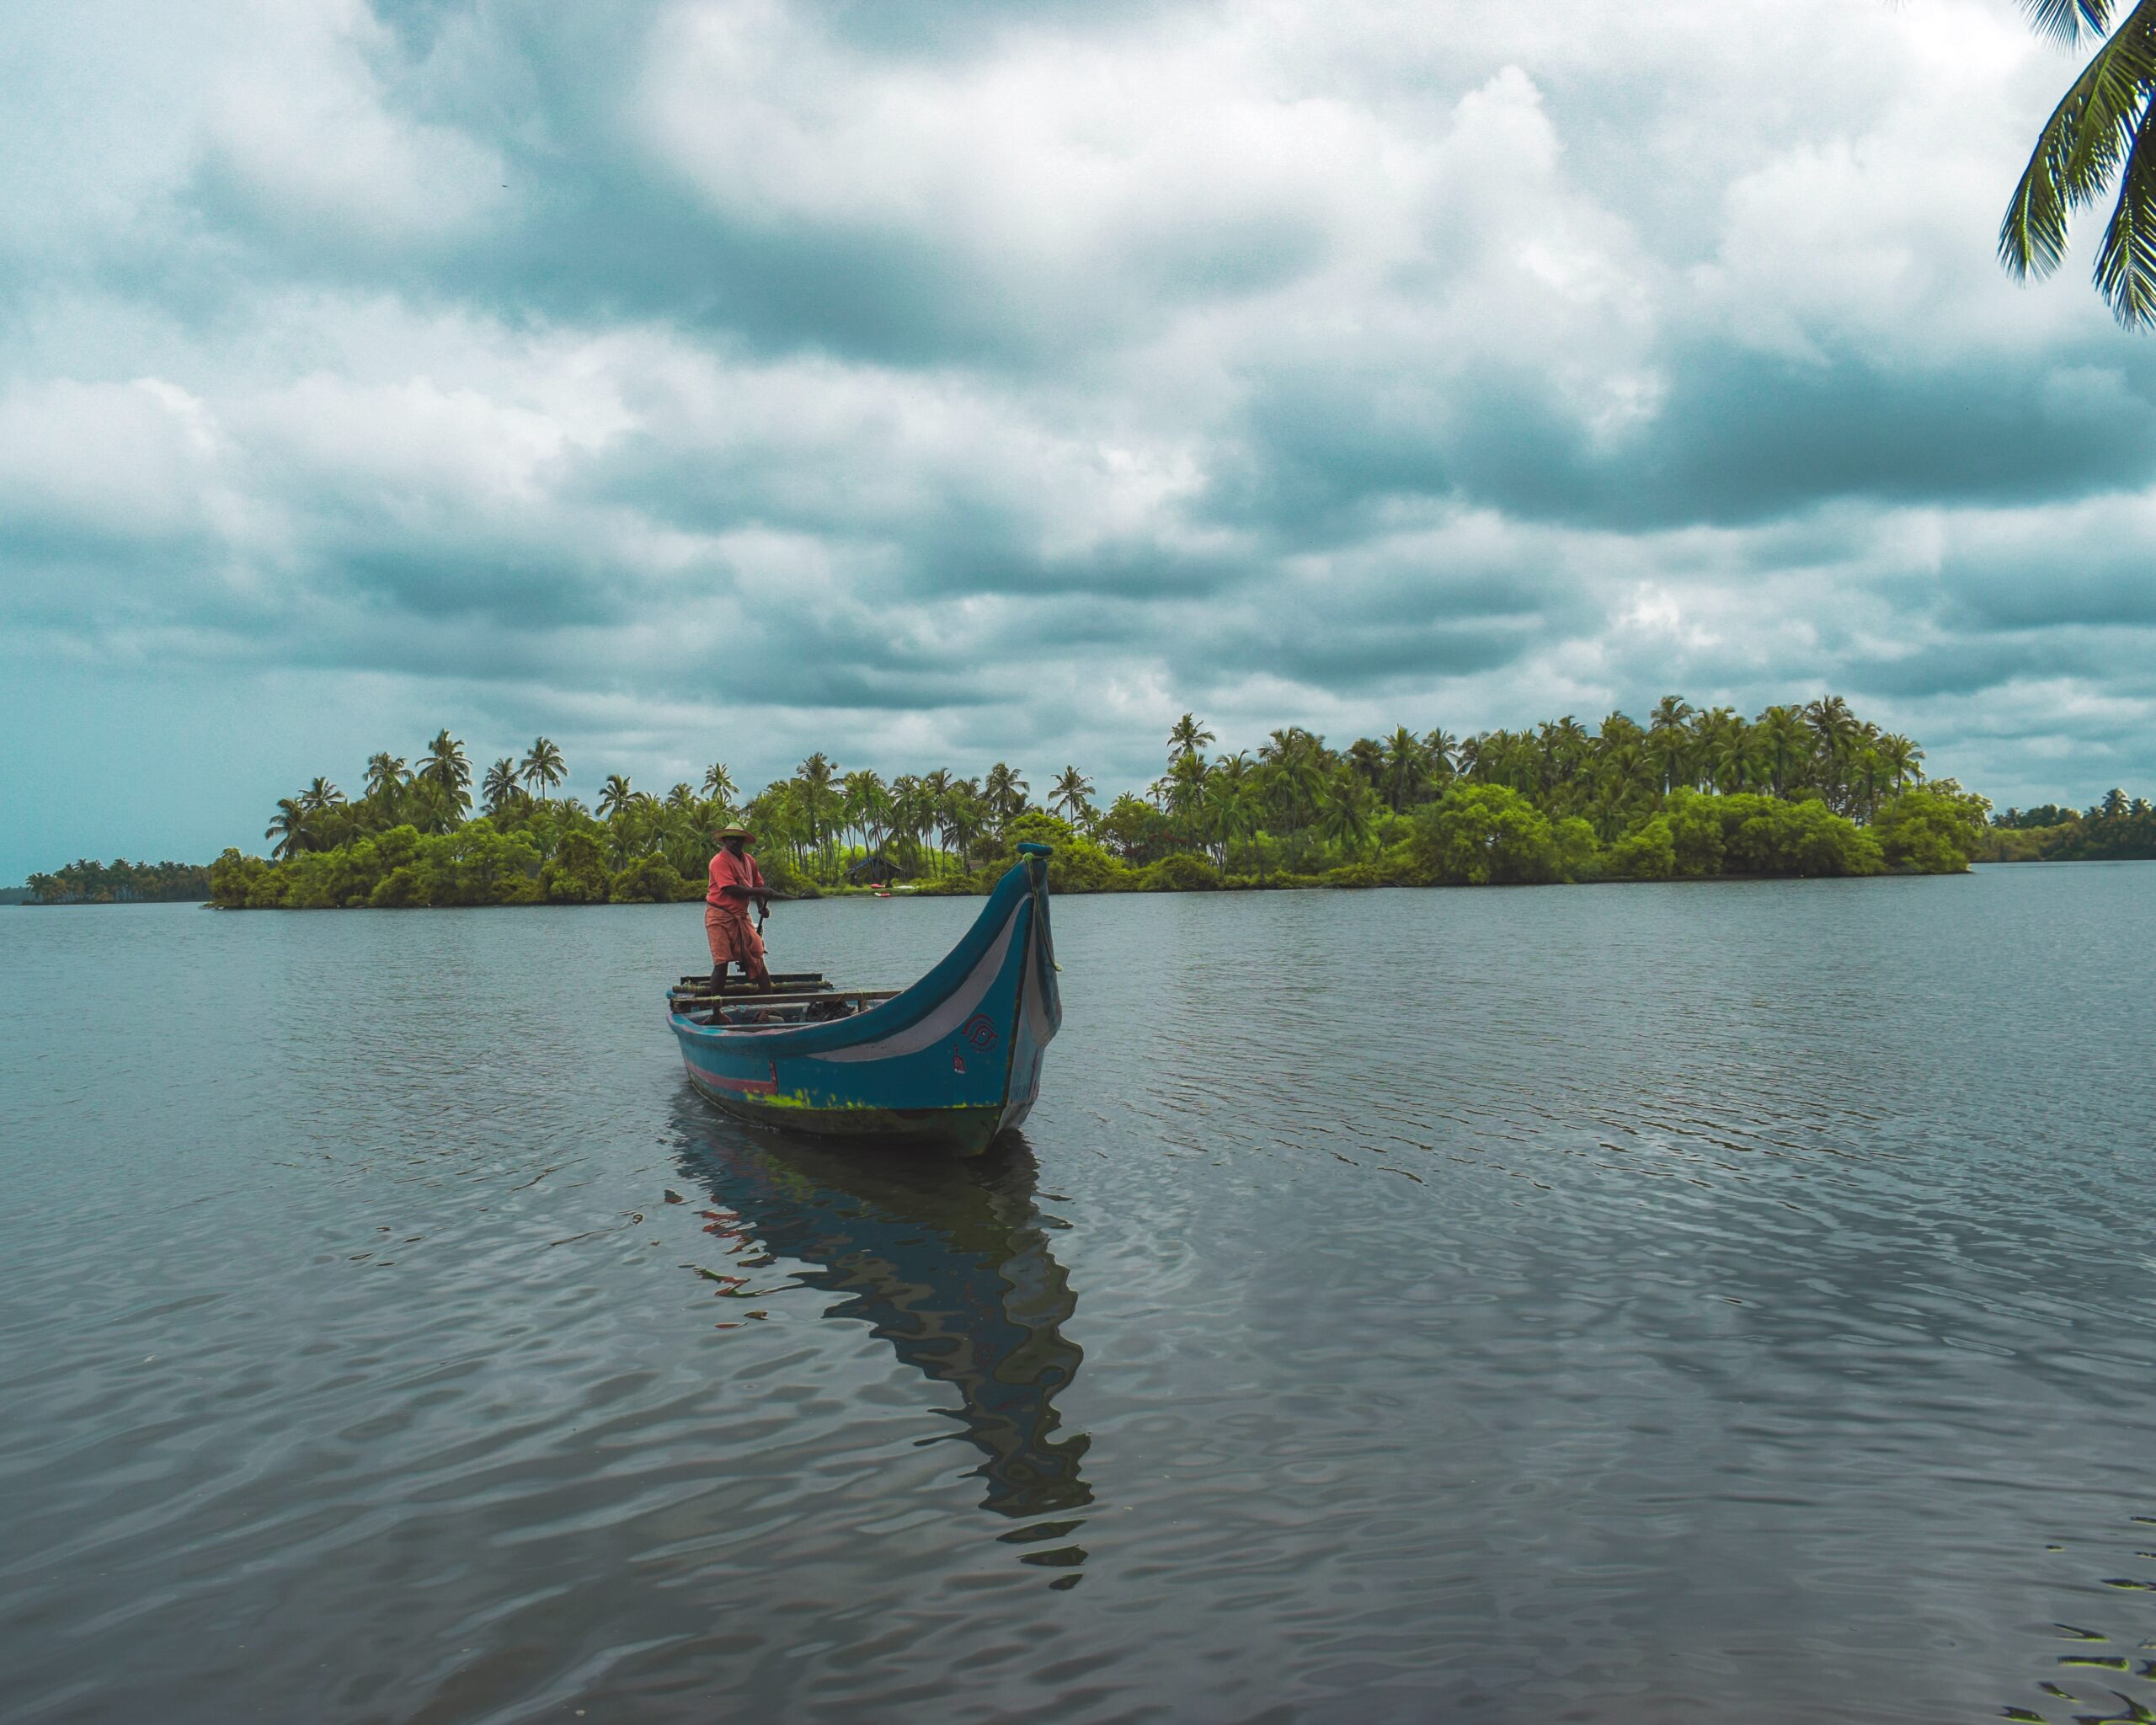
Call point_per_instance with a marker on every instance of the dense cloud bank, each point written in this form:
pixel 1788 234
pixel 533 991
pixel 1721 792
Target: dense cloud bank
pixel 953 381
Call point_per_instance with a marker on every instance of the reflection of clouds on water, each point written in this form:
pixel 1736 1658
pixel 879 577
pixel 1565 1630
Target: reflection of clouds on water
pixel 948 1261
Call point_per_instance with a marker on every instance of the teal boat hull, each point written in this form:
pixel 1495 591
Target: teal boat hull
pixel 948 1065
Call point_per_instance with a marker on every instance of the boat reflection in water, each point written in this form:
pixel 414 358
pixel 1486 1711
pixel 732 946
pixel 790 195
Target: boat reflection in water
pixel 948 1260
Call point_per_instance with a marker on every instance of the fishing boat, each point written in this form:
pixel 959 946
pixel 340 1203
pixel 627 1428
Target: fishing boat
pixel 947 1063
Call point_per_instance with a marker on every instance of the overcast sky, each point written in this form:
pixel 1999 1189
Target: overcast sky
pixel 937 381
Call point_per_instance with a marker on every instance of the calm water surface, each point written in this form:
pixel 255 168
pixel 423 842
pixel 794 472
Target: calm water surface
pixel 1632 1304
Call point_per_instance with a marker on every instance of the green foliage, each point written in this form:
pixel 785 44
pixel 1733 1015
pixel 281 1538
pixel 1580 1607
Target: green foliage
pixel 1931 832
pixel 1036 826
pixel 1078 865
pixel 1647 852
pixel 1699 825
pixel 1578 856
pixel 233 879
pixel 1749 834
pixel 1139 832
pixel 1180 873
pixel 1083 866
pixel 649 880
pixel 576 873
pixel 1801 839
pixel 785 876
pixel 2093 136
pixel 120 882
pixel 1807 790
pixel 1491 836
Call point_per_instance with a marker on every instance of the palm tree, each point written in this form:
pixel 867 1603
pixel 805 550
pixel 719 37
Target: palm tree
pixel 1838 737
pixel 1406 768
pixel 1293 774
pixel 931 792
pixel 862 803
pixel 1072 793
pixel 2097 132
pixel 543 767
pixel 500 786
pixel 1343 815
pixel 1005 792
pixel 961 818
pixel 615 796
pixel 1186 736
pixel 1670 710
pixel 1440 751
pixel 820 803
pixel 1901 756
pixel 385 775
pixel 288 826
pixel 1784 747
pixel 1669 743
pixel 718 784
pixel 1182 787
pixel 909 817
pixel 320 795
pixel 1228 809
pixel 1565 746
pixel 1734 755
pixel 446 769
pixel 1624 780
pixel 1868 775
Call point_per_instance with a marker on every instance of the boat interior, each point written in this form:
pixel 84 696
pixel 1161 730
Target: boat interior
pixel 786 997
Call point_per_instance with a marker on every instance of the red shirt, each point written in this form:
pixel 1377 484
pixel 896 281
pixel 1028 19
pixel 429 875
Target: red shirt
pixel 727 870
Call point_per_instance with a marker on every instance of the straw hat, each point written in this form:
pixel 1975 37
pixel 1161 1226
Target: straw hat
pixel 733 832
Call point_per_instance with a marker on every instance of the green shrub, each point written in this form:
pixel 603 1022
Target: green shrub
pixel 1926 832
pixel 1747 834
pixel 649 880
pixel 1360 875
pixel 781 876
pixel 1578 855
pixel 1180 873
pixel 1479 834
pixel 1647 852
pixel 233 877
pixel 401 889
pixel 1806 838
pixel 1700 826
pixel 577 874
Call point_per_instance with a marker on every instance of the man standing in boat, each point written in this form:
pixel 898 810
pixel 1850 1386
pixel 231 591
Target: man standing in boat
pixel 736 882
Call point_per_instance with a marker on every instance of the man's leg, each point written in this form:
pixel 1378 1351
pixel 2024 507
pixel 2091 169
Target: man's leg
pixel 718 938
pixel 749 948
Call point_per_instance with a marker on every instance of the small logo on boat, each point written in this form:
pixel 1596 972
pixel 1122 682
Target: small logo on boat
pixel 979 1032
pixel 957 1063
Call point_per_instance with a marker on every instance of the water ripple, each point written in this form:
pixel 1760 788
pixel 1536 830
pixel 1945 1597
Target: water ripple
pixel 1629 1304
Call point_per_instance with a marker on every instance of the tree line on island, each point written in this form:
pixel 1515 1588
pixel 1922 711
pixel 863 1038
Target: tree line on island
pixel 1811 790
pixel 120 882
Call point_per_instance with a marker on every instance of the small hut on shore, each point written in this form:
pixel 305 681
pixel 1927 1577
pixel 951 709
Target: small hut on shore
pixel 877 870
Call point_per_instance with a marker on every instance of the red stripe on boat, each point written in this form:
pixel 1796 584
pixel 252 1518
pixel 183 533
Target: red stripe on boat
pixel 754 1087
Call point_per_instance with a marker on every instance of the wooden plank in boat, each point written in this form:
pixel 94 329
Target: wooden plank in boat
pixel 744 1001
pixel 806 978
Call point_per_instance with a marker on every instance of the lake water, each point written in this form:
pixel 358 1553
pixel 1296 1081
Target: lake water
pixel 1644 1303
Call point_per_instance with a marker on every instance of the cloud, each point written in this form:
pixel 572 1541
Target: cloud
pixel 965 379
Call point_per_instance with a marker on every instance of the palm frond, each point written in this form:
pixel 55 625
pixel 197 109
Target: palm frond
pixel 2125 262
pixel 2067 20
pixel 2081 146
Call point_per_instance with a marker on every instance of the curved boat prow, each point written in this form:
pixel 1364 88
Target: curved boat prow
pixel 953 1060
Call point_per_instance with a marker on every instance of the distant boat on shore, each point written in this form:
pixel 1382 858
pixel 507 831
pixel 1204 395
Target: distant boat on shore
pixel 949 1063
